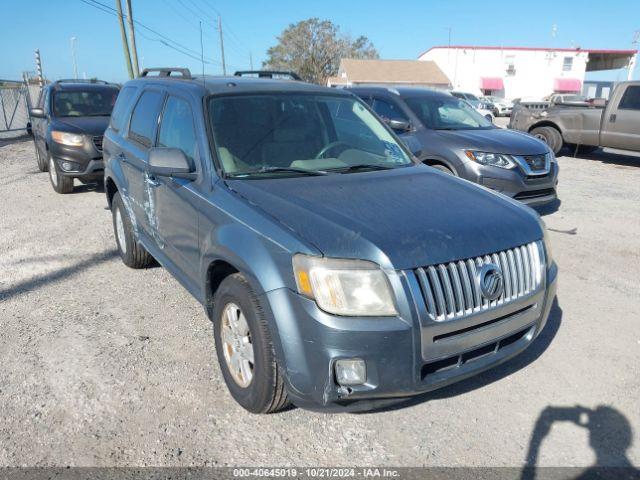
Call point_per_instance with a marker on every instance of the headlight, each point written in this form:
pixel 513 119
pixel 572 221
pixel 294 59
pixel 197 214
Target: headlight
pixel 71 139
pixel 548 255
pixel 344 287
pixel 493 159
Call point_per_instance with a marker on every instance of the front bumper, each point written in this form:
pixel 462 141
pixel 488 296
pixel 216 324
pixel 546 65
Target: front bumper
pixel 404 355
pixel 86 161
pixel 532 191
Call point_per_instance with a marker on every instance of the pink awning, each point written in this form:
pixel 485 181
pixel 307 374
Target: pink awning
pixel 491 83
pixel 567 85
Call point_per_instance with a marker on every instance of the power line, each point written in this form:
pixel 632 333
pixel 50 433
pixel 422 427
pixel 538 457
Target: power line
pixel 167 41
pixel 164 40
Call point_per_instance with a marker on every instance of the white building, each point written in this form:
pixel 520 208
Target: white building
pixel 520 72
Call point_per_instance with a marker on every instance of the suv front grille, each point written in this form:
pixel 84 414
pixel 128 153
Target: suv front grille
pixel 97 141
pixel 452 290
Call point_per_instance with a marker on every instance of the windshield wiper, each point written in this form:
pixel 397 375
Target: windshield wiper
pixel 361 166
pixel 303 171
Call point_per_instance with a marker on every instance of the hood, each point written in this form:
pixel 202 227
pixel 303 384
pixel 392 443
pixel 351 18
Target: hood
pixel 494 140
pixel 403 218
pixel 84 125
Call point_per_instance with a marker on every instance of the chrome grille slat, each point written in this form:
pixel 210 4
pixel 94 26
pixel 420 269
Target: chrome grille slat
pixel 451 290
pixel 437 288
pixel 467 285
pixel 448 291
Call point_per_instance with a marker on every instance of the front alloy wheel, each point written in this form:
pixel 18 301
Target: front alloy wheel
pixel 244 347
pixel 60 183
pixel 236 345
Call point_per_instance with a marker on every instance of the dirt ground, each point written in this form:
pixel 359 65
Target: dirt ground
pixel 101 365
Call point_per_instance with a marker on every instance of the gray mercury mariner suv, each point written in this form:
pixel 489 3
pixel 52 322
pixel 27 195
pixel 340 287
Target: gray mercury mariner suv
pixel 444 132
pixel 338 271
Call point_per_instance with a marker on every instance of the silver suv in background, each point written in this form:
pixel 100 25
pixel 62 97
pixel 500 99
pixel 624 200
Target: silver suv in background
pixel 446 133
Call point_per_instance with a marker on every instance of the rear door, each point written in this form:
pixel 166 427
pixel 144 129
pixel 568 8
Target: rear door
pixel 135 154
pixel 173 215
pixel 621 122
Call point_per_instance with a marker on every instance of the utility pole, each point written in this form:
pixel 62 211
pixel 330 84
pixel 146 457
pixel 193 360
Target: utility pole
pixel 633 59
pixel 251 60
pixel 224 67
pixel 132 36
pixel 39 68
pixel 123 35
pixel 73 56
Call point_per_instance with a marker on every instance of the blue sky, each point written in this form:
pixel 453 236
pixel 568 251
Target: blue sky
pixel 397 29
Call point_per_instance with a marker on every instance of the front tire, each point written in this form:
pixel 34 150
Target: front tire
pixel 442 168
pixel 131 252
pixel 550 136
pixel 244 348
pixel 43 166
pixel 60 183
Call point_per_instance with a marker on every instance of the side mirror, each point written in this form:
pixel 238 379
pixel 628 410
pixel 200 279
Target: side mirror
pixel 398 124
pixel 170 162
pixel 37 113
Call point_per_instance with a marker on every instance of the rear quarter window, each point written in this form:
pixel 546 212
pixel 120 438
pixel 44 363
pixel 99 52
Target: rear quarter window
pixel 118 115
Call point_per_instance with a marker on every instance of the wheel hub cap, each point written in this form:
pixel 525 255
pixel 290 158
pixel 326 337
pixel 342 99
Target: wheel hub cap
pixel 236 345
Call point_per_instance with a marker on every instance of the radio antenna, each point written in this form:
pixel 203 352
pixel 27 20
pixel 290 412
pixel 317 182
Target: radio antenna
pixel 202 53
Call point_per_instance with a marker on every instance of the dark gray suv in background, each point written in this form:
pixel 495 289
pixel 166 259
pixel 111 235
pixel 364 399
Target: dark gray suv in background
pixel 338 272
pixel 444 132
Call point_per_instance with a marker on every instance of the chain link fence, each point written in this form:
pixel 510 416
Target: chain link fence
pixel 16 98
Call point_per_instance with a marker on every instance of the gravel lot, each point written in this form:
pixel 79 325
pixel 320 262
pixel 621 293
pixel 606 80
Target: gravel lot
pixel 101 365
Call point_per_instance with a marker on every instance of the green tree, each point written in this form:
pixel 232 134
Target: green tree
pixel 313 48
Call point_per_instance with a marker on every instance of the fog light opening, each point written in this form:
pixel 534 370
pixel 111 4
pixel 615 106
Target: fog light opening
pixel 352 371
pixel 68 166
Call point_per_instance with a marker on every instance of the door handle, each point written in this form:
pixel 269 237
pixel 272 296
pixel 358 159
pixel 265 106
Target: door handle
pixel 612 118
pixel 153 181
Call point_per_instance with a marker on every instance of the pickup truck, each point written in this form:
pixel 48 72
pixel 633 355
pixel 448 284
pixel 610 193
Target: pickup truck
pixel 614 125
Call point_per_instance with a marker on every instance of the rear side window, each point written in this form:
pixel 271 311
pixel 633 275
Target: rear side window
pixel 120 109
pixel 630 99
pixel 145 118
pixel 176 129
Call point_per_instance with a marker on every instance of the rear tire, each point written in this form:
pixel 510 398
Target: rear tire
pixel 131 252
pixel 550 136
pixel 60 183
pixel 256 385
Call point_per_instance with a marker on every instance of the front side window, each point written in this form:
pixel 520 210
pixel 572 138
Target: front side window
pixel 176 129
pixel 84 103
pixel 630 99
pixel 257 135
pixel 145 118
pixel 447 114
pixel 387 110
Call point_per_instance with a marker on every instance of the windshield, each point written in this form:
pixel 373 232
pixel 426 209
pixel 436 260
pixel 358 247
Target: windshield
pixel 295 134
pixel 84 103
pixel 440 113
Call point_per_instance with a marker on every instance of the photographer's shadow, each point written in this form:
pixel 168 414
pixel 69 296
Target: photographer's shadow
pixel 610 436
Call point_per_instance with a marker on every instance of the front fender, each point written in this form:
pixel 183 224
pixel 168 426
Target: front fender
pixel 265 263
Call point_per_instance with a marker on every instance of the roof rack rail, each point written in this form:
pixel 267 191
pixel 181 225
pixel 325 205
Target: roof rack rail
pixel 82 80
pixel 267 74
pixel 167 71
